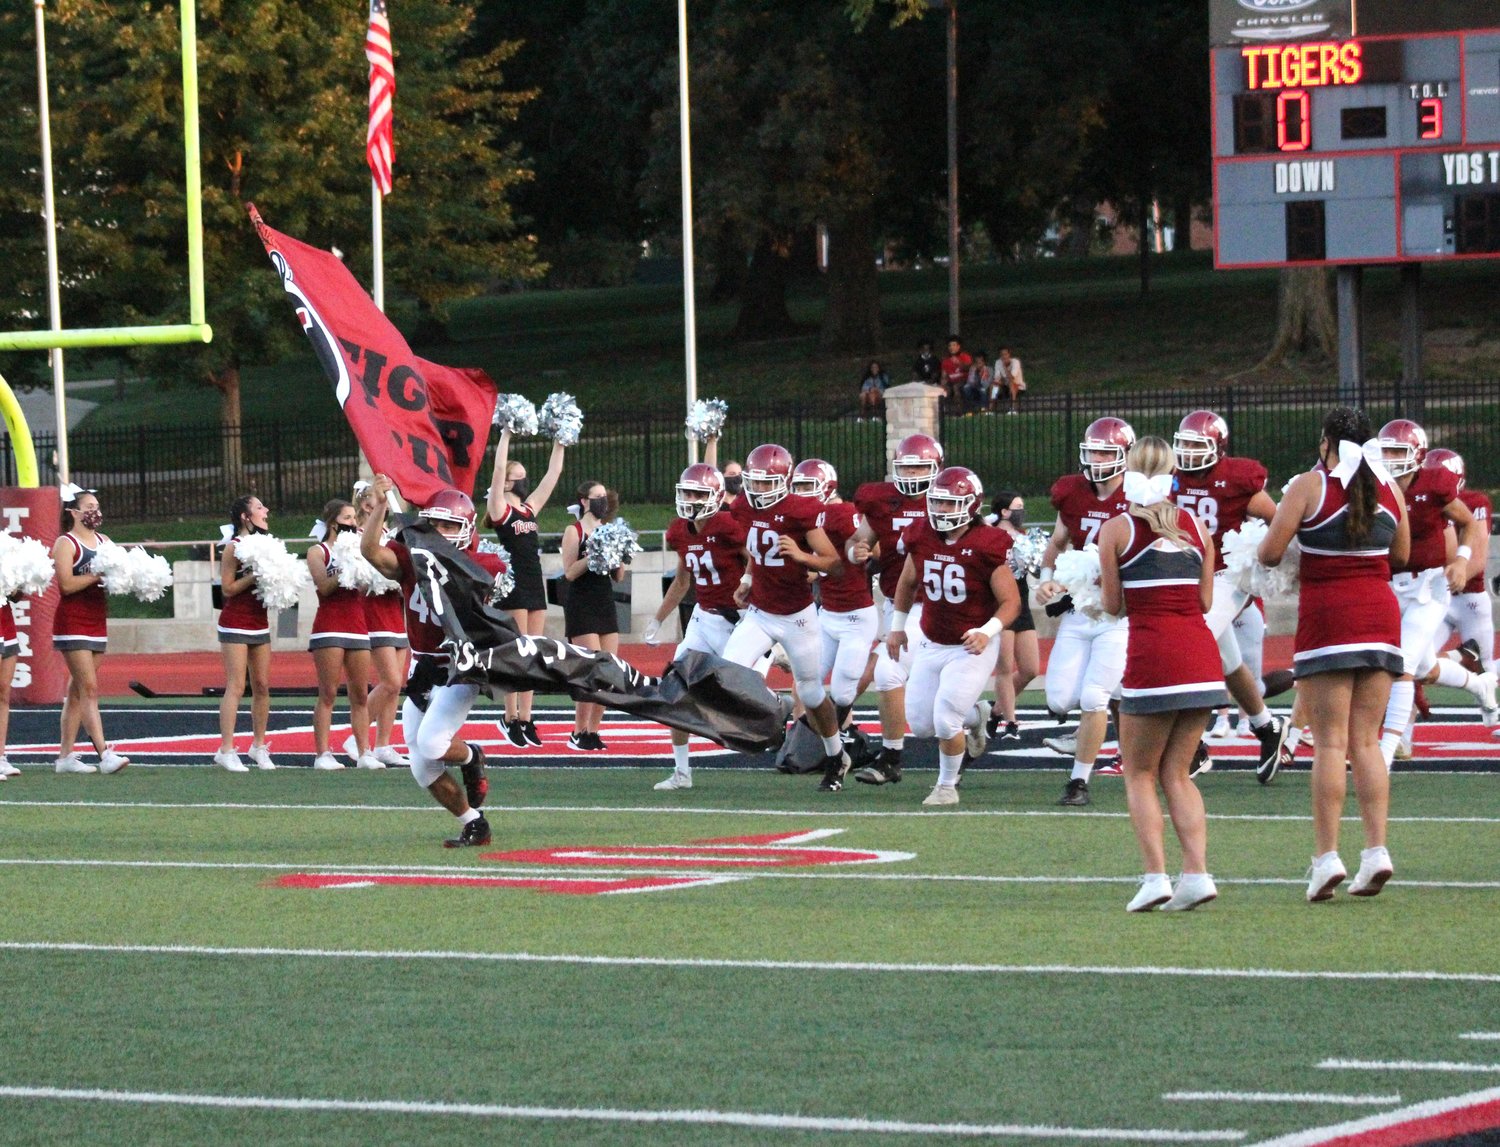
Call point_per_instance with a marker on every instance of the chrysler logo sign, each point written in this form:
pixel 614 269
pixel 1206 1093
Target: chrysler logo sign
pixel 1275 5
pixel 1234 22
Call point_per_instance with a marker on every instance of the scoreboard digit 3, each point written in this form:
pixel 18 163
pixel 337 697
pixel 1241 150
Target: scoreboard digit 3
pixel 1365 149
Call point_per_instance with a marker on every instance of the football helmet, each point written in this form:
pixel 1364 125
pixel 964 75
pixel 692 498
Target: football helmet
pixel 954 498
pixel 1450 460
pixel 768 475
pixel 815 478
pixel 1202 438
pixel 454 506
pixel 1112 436
pixel 920 453
pixel 700 492
pixel 1403 446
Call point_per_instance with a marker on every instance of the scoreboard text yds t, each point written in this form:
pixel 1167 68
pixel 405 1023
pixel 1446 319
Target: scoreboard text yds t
pixel 1379 149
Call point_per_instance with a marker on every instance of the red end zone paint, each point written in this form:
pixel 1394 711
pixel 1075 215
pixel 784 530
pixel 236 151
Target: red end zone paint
pixel 580 886
pixel 1461 1123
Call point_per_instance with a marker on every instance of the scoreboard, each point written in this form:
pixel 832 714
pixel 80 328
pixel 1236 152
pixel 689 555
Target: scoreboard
pixel 1359 150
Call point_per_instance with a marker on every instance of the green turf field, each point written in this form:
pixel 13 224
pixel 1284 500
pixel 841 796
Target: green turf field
pixel 989 986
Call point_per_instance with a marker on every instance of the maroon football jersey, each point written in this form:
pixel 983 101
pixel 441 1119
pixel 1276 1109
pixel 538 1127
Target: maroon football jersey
pixel 847 587
pixel 1219 496
pixel 714 556
pixel 1484 513
pixel 953 578
pixel 423 632
pixel 1431 489
pixel 888 512
pixel 1081 511
pixel 778 584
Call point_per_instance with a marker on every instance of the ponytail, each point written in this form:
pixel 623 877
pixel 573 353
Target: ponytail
pixel 1347 423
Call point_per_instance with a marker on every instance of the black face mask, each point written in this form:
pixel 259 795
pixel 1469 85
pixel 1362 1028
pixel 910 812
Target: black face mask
pixel 1017 518
pixel 520 488
pixel 598 507
pixel 734 484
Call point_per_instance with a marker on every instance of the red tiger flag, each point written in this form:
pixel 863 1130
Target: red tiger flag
pixel 424 424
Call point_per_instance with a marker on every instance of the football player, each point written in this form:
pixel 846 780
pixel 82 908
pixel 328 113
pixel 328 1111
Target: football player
pixel 710 548
pixel 1471 615
pixel 1424 585
pixel 434 712
pixel 956 566
pixel 1088 657
pixel 889 508
pixel 784 541
pixel 1222 492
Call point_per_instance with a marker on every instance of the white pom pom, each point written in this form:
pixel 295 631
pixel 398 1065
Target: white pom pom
pixel 560 419
pixel 131 571
pixel 1078 572
pixel 705 421
pixel 515 413
pixel 25 566
pixel 353 570
pixel 279 577
pixel 1245 570
pixel 611 546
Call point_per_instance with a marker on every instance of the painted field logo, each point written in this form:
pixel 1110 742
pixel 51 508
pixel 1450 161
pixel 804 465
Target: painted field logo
pixel 775 850
pixel 669 866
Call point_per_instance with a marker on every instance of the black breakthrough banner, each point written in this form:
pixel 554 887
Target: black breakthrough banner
pixel 700 694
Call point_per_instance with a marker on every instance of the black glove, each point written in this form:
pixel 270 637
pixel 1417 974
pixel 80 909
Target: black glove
pixel 1061 606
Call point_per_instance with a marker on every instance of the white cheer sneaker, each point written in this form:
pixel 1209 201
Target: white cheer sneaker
pixel 1155 891
pixel 230 762
pixel 1375 868
pixel 1326 874
pixel 1193 889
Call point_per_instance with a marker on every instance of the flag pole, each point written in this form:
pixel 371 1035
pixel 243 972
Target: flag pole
pixel 49 210
pixel 377 227
pixel 689 308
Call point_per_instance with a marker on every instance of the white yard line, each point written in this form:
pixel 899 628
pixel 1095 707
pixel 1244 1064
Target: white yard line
pixel 1408 1065
pixel 763 1121
pixel 1280 1097
pixel 1347 1132
pixel 1479 1035
pixel 839 966
pixel 625 869
pixel 680 810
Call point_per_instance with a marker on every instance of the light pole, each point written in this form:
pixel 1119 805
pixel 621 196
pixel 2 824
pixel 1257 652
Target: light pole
pixel 952 6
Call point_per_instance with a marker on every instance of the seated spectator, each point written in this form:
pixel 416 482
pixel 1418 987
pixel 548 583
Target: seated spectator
pixel 981 379
pixel 926 368
pixel 872 391
pixel 955 370
pixel 1008 380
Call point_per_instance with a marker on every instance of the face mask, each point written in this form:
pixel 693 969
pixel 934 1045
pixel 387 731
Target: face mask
pixel 1017 518
pixel 598 507
pixel 93 519
pixel 734 484
pixel 520 488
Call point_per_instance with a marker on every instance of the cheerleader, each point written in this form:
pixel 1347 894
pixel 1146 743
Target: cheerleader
pixel 1350 519
pixel 1156 566
pixel 589 617
pixel 80 630
pixel 244 642
pixel 385 618
pixel 1020 652
pixel 340 644
pixel 10 650
pixel 512 509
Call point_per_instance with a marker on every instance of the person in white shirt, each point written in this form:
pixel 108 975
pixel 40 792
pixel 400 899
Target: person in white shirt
pixel 1008 380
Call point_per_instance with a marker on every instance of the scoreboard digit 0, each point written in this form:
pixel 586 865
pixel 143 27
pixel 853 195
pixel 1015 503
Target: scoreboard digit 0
pixel 1378 149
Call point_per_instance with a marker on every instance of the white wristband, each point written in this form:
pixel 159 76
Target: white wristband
pixel 1046 574
pixel 849 551
pixel 898 620
pixel 991 627
pixel 744 581
pixel 1465 552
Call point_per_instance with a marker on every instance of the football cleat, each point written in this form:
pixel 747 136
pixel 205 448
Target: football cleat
pixel 475 834
pixel 1467 655
pixel 476 785
pixel 834 770
pixel 1011 732
pixel 1109 766
pixel 1203 761
pixel 1066 744
pixel 976 740
pixel 885 771
pixel 941 795
pixel 1273 751
pixel 1076 794
pixel 675 782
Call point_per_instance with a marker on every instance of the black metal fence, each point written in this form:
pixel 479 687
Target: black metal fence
pixel 169 471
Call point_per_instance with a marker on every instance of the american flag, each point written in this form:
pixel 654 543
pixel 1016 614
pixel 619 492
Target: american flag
pixel 380 145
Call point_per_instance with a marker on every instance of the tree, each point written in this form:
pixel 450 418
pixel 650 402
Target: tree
pixel 283 94
pixel 1305 325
